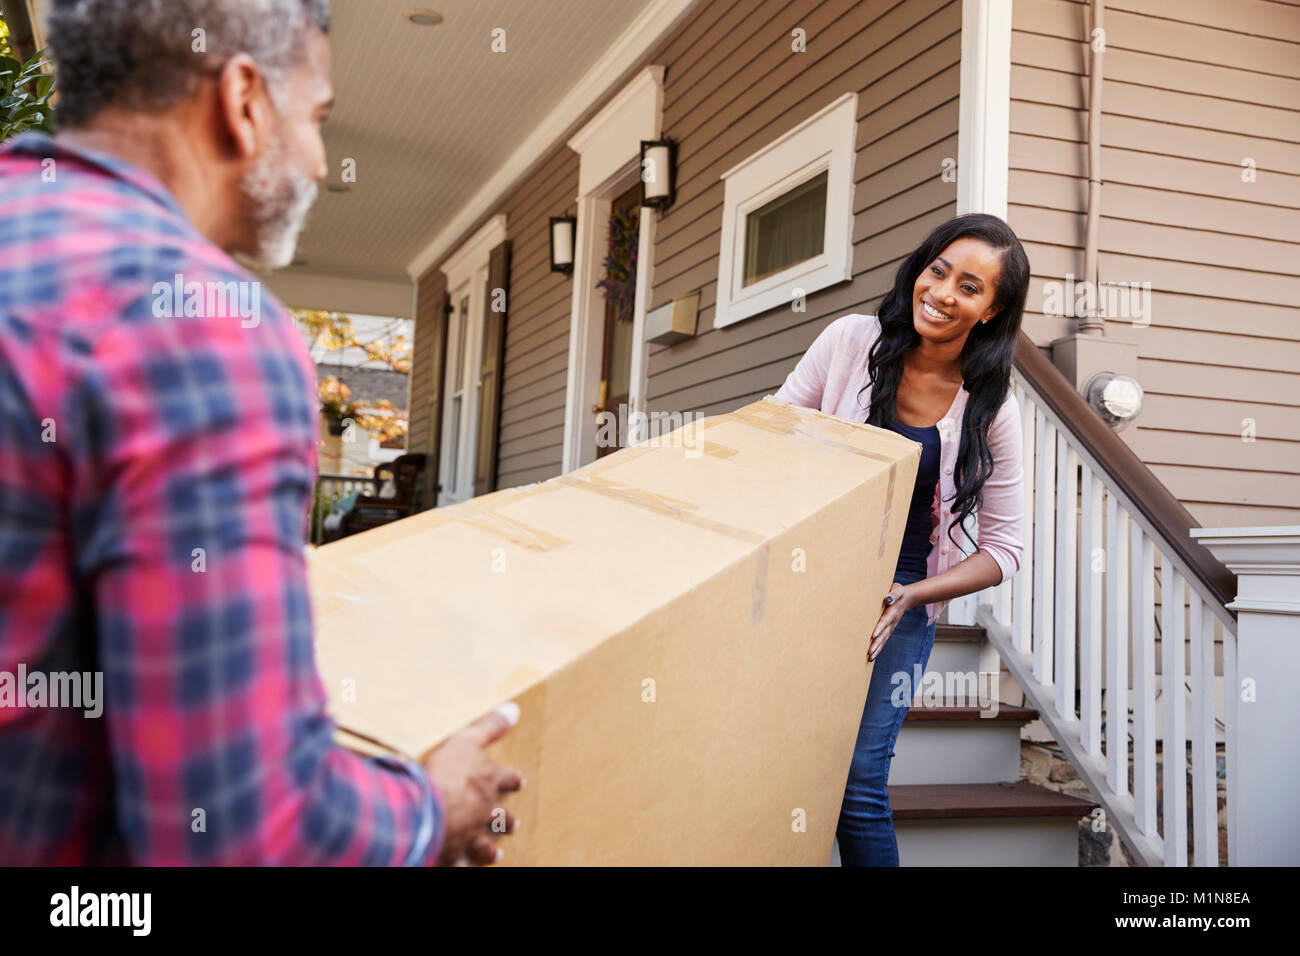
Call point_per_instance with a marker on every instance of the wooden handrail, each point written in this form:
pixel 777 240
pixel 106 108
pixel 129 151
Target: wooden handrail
pixel 1125 469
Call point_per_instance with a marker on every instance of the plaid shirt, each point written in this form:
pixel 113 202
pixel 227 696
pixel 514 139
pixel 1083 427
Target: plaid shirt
pixel 157 461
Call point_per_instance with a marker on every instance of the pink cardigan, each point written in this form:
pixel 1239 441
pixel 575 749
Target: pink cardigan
pixel 829 378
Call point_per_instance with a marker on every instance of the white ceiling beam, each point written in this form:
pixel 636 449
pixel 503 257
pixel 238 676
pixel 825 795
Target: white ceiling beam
pixel 301 290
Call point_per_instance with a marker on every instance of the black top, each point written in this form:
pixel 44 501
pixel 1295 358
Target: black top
pixel 916 536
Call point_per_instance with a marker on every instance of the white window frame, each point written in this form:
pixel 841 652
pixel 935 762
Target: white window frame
pixel 824 141
pixel 609 147
pixel 467 275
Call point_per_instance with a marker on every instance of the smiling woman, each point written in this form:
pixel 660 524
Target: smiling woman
pixel 935 366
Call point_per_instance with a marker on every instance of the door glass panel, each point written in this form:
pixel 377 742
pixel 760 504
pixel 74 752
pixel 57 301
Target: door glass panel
pixel 453 447
pixel 620 358
pixel 616 351
pixel 461 321
pixel 786 231
pixel 458 344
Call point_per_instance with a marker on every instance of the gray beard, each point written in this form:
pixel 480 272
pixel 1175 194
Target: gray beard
pixel 278 198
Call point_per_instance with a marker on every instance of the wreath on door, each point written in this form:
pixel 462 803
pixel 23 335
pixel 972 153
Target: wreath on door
pixel 619 284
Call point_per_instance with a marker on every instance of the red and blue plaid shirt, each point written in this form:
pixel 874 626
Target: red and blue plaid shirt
pixel 157 460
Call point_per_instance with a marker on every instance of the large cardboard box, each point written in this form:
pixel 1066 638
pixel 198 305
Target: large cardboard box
pixel 684 626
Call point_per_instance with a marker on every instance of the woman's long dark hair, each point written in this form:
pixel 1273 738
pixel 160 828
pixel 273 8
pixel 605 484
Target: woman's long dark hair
pixel 986 358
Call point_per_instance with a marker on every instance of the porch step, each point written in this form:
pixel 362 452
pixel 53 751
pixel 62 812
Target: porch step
pixel 956 649
pixel 947 744
pixel 986 824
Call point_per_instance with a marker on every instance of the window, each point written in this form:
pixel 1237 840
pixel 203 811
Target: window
pixel 787 221
pixel 459 342
pixel 787 231
pixel 467 271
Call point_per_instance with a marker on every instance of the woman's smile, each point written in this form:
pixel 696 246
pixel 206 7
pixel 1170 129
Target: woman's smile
pixel 932 313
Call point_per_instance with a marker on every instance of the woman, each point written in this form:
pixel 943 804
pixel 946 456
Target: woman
pixel 933 365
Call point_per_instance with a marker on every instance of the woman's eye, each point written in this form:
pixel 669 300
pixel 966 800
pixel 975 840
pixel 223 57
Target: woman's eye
pixel 969 289
pixel 936 270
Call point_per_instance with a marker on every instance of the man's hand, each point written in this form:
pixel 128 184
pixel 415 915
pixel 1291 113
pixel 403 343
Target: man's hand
pixel 473 788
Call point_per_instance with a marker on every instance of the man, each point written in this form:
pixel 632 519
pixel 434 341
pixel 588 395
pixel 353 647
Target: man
pixel 158 431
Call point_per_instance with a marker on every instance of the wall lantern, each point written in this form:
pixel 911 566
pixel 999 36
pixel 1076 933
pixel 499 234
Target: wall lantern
pixel 563 229
pixel 658 173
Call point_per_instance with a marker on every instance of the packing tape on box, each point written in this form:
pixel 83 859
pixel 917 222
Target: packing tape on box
pixel 483 517
pixel 665 505
pixel 781 419
pixel 889 507
pixel 774 416
pixel 594 481
pixel 759 604
pixel 507 528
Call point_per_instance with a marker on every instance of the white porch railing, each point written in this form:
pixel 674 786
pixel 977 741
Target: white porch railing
pixel 329 489
pixel 1082 607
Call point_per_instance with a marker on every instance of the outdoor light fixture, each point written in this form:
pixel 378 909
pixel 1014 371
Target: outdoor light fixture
pixel 1117 398
pixel 658 172
pixel 423 17
pixel 563 229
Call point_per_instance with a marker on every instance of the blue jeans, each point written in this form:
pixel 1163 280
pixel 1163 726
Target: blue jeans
pixel 866 828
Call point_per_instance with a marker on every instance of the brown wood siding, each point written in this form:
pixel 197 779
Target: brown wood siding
pixel 1192 87
pixel 734 85
pixel 537 331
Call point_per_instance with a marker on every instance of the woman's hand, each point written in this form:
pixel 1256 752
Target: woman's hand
pixel 896 604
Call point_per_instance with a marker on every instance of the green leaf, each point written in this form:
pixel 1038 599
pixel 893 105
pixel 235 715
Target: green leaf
pixel 25 93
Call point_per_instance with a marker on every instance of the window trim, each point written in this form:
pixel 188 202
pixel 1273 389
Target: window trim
pixel 466 271
pixel 824 141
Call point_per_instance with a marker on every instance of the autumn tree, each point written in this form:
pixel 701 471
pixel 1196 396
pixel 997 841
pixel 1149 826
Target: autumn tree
pixel 334 331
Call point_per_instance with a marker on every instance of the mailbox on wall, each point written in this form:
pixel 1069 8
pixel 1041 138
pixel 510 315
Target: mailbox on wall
pixel 673 321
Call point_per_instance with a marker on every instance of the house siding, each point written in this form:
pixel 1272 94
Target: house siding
pixel 1223 347
pixel 537 330
pixel 1191 89
pixel 533 381
pixel 732 86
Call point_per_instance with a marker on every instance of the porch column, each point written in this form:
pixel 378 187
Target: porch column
pixel 1263 740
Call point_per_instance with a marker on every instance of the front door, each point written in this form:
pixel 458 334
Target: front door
pixel 619 285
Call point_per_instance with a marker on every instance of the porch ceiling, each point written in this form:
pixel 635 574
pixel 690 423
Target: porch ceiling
pixel 430 113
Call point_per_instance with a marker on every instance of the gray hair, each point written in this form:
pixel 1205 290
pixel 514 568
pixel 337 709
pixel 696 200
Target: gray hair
pixel 150 54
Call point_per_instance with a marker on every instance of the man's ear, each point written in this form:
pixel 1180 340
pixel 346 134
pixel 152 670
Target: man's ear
pixel 244 105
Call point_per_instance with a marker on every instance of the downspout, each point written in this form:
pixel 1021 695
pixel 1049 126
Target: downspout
pixel 1090 323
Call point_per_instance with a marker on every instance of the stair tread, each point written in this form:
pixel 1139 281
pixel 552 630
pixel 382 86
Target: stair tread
pixel 959 632
pixel 946 711
pixel 941 801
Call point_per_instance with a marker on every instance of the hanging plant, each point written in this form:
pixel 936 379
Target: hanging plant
pixel 619 284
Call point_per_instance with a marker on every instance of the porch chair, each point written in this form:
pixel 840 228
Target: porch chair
pixel 370 511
